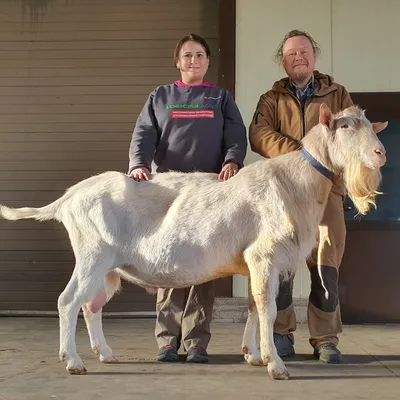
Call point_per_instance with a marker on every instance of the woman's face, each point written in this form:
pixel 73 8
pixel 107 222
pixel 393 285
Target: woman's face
pixel 192 62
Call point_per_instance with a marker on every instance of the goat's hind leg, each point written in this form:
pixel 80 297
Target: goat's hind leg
pixel 69 304
pixel 86 281
pixel 92 312
pixel 250 350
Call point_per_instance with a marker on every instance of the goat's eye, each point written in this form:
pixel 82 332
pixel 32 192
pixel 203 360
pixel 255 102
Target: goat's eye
pixel 345 126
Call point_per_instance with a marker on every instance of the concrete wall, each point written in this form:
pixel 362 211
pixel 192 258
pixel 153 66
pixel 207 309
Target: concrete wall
pixel 359 46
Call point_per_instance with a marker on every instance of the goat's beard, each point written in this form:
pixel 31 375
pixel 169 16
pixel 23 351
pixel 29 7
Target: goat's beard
pixel 362 184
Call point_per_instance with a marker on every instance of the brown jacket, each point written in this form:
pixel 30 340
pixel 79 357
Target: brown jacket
pixel 279 123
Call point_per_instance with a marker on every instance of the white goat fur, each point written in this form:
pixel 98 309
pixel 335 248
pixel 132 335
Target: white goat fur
pixel 178 230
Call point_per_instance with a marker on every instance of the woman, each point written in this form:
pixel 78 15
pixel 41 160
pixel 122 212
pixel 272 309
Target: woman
pixel 189 125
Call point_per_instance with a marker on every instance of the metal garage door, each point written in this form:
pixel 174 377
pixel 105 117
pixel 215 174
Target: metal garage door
pixel 73 78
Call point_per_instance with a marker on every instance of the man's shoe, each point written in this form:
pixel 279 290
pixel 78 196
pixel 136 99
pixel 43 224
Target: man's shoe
pixel 328 353
pixel 197 354
pixel 167 354
pixel 284 345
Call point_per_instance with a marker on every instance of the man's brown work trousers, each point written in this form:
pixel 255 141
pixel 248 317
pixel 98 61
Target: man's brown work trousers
pixel 324 319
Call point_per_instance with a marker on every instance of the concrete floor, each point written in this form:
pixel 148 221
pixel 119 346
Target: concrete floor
pixel 30 370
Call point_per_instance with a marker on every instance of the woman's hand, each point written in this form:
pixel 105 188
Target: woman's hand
pixel 140 174
pixel 230 169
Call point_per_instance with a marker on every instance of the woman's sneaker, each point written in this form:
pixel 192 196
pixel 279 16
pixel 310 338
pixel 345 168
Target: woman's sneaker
pixel 167 354
pixel 197 354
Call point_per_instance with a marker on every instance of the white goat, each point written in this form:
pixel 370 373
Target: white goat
pixel 178 230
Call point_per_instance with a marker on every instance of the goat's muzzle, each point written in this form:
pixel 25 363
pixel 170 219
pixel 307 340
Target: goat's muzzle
pixel 379 159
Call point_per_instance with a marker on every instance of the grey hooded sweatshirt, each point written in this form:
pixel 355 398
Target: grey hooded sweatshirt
pixel 188 128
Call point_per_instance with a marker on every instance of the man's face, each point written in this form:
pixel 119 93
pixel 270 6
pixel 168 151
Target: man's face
pixel 298 58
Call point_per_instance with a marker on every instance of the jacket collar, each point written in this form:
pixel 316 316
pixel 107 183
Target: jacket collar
pixel 324 85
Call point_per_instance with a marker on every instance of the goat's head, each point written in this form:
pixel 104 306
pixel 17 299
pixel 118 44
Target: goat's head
pixel 354 150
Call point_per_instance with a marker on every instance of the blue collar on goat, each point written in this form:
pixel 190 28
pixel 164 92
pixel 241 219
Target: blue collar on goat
pixel 316 164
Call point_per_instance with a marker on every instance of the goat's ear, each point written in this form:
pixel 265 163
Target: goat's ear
pixel 379 126
pixel 325 115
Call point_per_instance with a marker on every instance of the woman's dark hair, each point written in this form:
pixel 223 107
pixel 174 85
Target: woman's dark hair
pixel 193 38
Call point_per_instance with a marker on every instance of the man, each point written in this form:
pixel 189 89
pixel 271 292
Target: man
pixel 282 117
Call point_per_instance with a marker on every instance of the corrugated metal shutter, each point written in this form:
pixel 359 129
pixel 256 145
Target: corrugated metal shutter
pixel 73 78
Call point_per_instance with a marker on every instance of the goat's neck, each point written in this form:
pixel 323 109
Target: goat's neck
pixel 319 185
pixel 316 144
pixel 308 191
pixel 303 173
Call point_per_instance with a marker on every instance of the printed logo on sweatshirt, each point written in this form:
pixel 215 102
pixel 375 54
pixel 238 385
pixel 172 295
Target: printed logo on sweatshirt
pixel 192 106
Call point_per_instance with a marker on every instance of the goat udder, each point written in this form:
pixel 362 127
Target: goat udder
pixel 97 302
pixel 152 290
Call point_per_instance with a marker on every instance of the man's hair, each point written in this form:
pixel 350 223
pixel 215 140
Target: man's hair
pixel 294 33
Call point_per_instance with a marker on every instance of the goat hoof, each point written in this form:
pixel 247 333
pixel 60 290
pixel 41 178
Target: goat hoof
pixel 77 371
pixel 278 373
pixel 108 360
pixel 105 355
pixel 76 367
pixel 253 359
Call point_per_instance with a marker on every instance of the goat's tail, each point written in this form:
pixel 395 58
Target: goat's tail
pixel 40 214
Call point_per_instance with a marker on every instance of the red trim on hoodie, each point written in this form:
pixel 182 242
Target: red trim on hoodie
pixel 204 84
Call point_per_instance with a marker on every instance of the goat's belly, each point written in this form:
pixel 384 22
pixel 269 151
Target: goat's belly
pixel 181 277
pixel 167 279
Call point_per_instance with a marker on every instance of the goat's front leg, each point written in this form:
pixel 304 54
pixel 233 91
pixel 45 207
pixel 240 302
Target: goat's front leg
pixel 250 350
pixel 265 284
pixel 97 340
